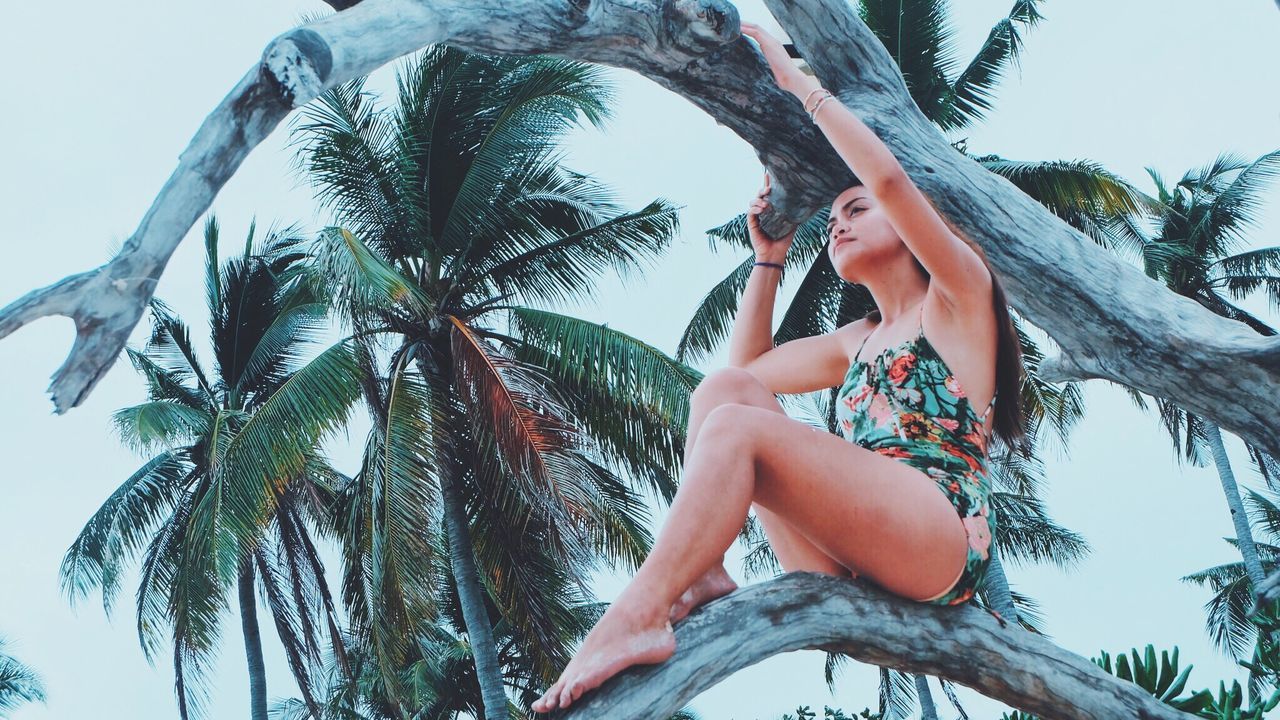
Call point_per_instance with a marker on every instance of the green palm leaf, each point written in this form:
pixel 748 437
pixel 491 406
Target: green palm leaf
pixel 523 115
pixel 160 424
pixel 1084 194
pixel 920 37
pixel 1027 533
pixel 713 318
pixel 972 92
pixel 361 281
pixel 350 152
pixel 558 270
pixel 271 447
pixel 169 347
pixel 121 526
pixel 19 684
pixel 632 399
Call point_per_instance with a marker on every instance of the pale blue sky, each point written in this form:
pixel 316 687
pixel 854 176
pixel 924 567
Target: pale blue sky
pixel 109 95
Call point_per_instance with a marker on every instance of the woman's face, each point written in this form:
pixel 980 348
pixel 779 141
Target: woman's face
pixel 859 235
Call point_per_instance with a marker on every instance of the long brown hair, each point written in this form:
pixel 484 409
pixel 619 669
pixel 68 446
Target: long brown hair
pixel 1010 420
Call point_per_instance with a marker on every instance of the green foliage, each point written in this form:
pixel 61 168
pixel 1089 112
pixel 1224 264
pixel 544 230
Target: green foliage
pixel 1161 679
pixel 19 684
pixel 829 713
pixel 233 475
pixel 1166 684
pixel 456 225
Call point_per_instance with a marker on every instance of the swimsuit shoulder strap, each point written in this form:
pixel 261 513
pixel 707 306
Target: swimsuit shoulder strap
pixel 991 404
pixel 857 354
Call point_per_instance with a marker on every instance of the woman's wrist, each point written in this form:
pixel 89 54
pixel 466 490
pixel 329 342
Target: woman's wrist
pixel 806 85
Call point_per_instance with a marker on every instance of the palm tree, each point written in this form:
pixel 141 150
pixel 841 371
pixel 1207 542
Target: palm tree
pixel 505 426
pixel 232 476
pixel 920 36
pixel 1200 224
pixel 1198 227
pixel 1226 614
pixel 19 684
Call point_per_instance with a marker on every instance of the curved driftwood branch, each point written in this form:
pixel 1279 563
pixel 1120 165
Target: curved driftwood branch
pixel 1110 320
pixel 810 611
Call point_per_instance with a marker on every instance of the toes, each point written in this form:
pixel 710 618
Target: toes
pixel 547 702
pixel 566 694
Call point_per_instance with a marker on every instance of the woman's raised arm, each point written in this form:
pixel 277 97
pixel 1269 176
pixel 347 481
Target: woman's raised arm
pixel 955 270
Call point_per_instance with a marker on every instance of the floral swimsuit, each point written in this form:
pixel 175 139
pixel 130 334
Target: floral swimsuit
pixel 911 408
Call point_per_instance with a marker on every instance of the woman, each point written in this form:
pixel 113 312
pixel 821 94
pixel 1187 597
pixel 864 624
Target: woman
pixel 900 496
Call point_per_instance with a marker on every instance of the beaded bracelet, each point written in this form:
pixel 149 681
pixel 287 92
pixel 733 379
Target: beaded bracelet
pixel 777 265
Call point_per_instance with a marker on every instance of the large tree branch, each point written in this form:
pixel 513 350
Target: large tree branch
pixel 810 611
pixel 1110 320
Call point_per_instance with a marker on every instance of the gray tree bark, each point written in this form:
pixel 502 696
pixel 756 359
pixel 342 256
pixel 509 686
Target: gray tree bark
pixel 252 642
pixel 995 586
pixel 798 611
pixel 471 596
pixel 1109 319
pixel 928 711
pixel 1239 519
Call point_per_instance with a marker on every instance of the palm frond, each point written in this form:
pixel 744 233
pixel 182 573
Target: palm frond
pixel 535 566
pixel 164 385
pixel 169 346
pixel 629 397
pixel 530 425
pixel 972 92
pixel 519 107
pixel 920 37
pixel 352 276
pixel 1085 195
pixel 401 471
pixel 1026 533
pixel 271 447
pixel 713 318
pixel 897 694
pixel 290 613
pixel 350 152
pixel 121 525
pixel 1236 206
pixel 19 684
pixel 565 268
pixel 160 425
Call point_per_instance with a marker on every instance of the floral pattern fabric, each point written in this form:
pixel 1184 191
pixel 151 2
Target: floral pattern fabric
pixel 906 404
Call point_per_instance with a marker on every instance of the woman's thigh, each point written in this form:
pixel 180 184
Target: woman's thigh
pixel 875 515
pixel 728 386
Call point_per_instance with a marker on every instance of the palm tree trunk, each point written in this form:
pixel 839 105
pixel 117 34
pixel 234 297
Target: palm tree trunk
pixel 471 595
pixel 927 709
pixel 995 586
pixel 252 643
pixel 1244 536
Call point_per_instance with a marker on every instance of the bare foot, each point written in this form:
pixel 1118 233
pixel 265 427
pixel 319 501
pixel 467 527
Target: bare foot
pixel 622 638
pixel 715 583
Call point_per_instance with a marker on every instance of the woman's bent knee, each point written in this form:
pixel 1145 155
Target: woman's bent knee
pixel 731 384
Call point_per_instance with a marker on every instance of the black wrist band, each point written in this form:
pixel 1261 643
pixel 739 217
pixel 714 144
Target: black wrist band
pixel 758 262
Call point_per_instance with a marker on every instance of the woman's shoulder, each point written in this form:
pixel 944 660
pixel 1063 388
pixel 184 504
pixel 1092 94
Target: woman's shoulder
pixel 852 333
